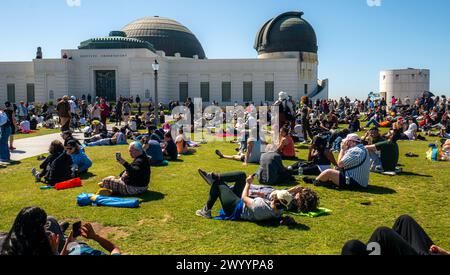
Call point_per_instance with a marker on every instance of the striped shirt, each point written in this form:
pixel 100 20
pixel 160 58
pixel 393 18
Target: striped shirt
pixel 354 157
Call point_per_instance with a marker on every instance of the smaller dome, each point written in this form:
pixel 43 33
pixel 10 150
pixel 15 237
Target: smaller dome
pixel 288 32
pixel 116 40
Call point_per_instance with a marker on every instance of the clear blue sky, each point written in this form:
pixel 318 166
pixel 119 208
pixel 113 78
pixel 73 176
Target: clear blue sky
pixel 356 41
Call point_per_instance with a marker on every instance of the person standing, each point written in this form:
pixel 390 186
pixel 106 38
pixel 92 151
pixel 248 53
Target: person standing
pixel 105 111
pixel 5 131
pixel 63 109
pixel 12 121
pixel 118 112
pixel 22 111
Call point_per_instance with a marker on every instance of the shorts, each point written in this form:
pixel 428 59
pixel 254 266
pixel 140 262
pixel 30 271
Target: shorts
pixel 351 185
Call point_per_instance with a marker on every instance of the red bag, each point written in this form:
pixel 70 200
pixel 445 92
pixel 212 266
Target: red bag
pixel 68 184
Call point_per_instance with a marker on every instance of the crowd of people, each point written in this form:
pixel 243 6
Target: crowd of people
pixel 324 126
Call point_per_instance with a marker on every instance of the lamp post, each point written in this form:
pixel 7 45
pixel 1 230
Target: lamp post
pixel 156 69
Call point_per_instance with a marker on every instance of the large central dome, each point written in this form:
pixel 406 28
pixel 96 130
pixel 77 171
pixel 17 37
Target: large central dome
pixel 166 35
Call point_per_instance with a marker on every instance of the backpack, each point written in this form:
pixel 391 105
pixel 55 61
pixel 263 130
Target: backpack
pixel 3 118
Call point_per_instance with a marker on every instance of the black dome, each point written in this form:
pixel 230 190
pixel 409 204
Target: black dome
pixel 166 35
pixel 288 32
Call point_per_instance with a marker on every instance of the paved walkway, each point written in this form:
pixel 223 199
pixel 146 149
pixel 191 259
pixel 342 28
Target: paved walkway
pixel 34 146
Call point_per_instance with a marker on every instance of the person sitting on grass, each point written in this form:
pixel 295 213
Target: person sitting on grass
pixel 136 177
pixel 372 137
pixel 36 234
pixel 286 144
pixel 406 238
pixel 389 153
pixel 353 164
pixel 320 159
pixel 118 138
pixel 153 149
pixel 271 170
pixel 182 144
pixel 236 203
pixel 81 162
pixel 68 136
pixel 57 167
pixel 252 153
pixel 169 147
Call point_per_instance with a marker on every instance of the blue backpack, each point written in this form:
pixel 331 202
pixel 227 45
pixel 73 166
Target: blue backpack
pixel 3 118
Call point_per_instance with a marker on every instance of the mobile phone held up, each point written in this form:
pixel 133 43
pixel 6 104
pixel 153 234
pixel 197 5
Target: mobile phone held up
pixel 118 156
pixel 76 229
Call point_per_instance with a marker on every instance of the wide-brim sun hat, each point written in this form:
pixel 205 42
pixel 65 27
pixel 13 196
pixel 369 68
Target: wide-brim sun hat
pixel 284 197
pixel 282 95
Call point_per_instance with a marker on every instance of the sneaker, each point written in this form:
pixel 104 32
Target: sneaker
pixel 204 213
pixel 308 180
pixel 219 154
pixel 36 174
pixel 208 177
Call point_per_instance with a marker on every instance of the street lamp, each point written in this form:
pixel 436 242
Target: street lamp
pixel 156 69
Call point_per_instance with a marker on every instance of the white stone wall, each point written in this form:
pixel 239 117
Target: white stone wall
pixel 404 83
pixel 134 75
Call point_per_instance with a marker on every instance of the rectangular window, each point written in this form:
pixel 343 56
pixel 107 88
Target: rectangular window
pixel 270 90
pixel 184 91
pixel 306 89
pixel 11 90
pixel 204 91
pixel 248 91
pixel 30 93
pixel 226 91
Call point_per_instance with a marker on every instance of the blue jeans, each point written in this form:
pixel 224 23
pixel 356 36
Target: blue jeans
pixel 102 142
pixel 374 122
pixel 5 155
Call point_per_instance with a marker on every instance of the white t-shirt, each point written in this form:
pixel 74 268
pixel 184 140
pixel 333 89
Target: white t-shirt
pixel 410 132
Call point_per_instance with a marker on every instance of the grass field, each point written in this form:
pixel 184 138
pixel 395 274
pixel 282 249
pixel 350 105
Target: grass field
pixel 40 132
pixel 166 224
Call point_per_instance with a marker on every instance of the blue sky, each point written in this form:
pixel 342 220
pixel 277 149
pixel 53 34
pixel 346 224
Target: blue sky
pixel 356 41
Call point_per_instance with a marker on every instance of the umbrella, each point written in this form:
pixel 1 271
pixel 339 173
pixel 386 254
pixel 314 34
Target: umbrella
pixel 428 94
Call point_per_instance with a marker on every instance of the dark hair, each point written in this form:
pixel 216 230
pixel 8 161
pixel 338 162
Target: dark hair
pixel 168 135
pixel 308 202
pixel 7 104
pixel 28 235
pixel 56 147
pixel 396 135
pixel 320 143
pixel 72 143
pixel 279 205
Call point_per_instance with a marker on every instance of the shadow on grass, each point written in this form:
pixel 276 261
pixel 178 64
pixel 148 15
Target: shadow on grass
pixel 404 173
pixel 150 196
pixel 12 163
pixel 86 176
pixel 276 224
pixel 302 147
pixel 371 189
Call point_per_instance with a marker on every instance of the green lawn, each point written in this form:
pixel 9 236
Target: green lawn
pixel 39 132
pixel 166 224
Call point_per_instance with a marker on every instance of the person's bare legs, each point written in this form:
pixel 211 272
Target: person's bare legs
pixel 11 141
pixel 235 157
pixel 329 175
pixel 326 176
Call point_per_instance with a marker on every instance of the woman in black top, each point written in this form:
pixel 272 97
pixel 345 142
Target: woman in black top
pixel 12 123
pixel 170 150
pixel 56 167
pixel 319 158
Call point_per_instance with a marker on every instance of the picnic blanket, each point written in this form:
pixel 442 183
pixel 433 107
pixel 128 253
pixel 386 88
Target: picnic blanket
pixel 96 200
pixel 320 212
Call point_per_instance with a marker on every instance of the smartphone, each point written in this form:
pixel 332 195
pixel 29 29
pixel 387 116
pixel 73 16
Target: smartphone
pixel 76 229
pixel 118 155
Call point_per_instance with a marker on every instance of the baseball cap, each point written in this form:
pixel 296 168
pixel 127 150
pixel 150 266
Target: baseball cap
pixel 352 137
pixel 284 197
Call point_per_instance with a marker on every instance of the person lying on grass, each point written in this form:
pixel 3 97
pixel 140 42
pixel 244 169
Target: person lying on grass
pixel 305 200
pixel 353 167
pixel 118 138
pixel 253 152
pixel 236 202
pixel 406 238
pixel 136 177
pixel 35 234
pixel 57 167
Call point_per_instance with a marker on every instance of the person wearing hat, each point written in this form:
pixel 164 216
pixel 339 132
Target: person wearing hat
pixel 286 111
pixel 63 109
pixel 136 177
pixel 353 166
pixel 236 202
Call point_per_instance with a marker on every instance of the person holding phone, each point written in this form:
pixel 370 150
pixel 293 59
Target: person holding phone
pixel 237 203
pixel 136 177
pixel 73 247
